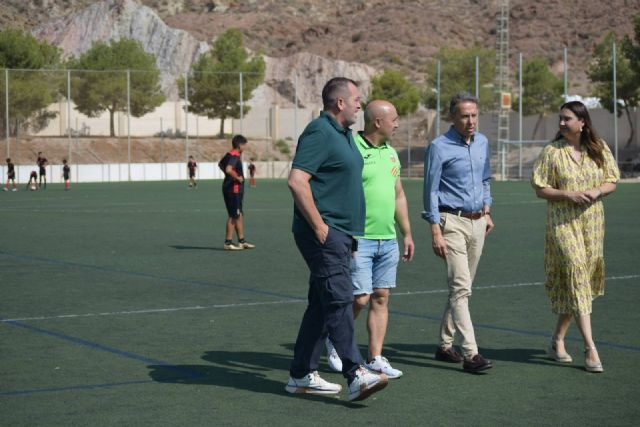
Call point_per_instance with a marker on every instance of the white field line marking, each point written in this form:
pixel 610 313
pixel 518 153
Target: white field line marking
pixel 287 301
pixel 151 310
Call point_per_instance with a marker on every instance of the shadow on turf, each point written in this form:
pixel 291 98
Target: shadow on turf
pixel 423 355
pixel 195 248
pixel 239 370
pixel 418 355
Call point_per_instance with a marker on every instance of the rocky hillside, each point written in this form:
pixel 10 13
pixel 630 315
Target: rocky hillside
pixel 401 34
pixel 176 50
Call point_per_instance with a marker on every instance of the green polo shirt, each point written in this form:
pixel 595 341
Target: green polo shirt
pixel 379 175
pixel 329 154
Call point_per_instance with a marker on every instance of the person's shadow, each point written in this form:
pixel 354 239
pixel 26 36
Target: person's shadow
pixel 422 355
pixel 239 370
pixel 414 355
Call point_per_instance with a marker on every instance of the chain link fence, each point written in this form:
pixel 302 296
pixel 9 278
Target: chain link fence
pixel 116 121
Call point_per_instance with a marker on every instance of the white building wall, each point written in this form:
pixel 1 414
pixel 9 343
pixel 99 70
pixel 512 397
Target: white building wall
pixel 168 116
pixel 119 172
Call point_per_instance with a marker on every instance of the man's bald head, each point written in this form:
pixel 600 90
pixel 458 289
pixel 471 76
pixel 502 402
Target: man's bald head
pixel 380 120
pixel 376 109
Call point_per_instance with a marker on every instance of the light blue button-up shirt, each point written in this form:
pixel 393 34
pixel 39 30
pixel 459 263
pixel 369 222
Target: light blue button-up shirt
pixel 457 175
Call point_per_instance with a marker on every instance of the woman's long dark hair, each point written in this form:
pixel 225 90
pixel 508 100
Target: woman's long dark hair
pixel 589 138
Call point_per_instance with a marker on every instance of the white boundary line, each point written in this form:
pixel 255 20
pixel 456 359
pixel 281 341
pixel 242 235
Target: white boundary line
pixel 287 301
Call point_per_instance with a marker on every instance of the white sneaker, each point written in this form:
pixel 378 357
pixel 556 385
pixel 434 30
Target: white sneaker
pixel 5 189
pixel 312 384
pixel 381 364
pixel 366 383
pixel 14 189
pixel 334 360
pixel 232 247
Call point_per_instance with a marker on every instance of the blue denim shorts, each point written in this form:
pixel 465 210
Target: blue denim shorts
pixel 375 265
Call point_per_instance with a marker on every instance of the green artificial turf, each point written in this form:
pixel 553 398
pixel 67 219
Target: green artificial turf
pixel 120 307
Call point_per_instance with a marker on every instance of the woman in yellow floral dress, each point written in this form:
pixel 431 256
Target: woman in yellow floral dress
pixel 573 174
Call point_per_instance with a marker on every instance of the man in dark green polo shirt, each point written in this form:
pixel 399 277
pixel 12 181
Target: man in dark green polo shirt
pixel 373 269
pixel 329 209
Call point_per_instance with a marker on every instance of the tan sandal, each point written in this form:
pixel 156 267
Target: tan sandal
pixel 595 367
pixel 557 356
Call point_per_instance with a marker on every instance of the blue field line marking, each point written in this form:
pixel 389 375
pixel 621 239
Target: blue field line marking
pixel 146 275
pixel 184 372
pixel 71 388
pixel 518 331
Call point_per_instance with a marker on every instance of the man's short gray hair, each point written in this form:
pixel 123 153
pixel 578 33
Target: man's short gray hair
pixel 334 88
pixel 458 98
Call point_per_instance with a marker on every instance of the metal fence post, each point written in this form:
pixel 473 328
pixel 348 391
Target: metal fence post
pixel 478 78
pixel 6 110
pixel 408 145
pixel 69 113
pixel 520 92
pixel 129 123
pixel 186 116
pixel 478 88
pixel 615 102
pixel 295 108
pixel 241 107
pixel 163 175
pixel 438 99
pixel 566 74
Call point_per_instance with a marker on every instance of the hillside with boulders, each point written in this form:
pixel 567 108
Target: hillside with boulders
pixel 401 34
pixel 305 42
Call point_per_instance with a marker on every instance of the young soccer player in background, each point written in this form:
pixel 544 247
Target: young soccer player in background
pixel 11 176
pixel 192 165
pixel 66 173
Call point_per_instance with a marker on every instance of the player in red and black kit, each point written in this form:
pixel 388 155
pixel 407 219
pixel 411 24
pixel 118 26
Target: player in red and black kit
pixel 191 168
pixel 41 161
pixel 11 176
pixel 66 174
pixel 233 191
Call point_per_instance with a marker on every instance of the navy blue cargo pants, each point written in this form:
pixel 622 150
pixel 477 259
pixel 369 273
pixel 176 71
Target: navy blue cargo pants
pixel 330 304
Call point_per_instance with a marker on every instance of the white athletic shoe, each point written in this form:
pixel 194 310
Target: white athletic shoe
pixel 366 383
pixel 381 365
pixel 232 247
pixel 334 360
pixel 312 384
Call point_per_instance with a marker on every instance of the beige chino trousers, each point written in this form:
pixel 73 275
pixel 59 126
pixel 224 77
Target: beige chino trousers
pixel 465 239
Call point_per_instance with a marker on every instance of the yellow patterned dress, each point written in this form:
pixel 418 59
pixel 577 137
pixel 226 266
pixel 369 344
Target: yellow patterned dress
pixel 573 256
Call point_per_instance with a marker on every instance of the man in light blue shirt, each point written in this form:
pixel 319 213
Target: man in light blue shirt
pixel 457 204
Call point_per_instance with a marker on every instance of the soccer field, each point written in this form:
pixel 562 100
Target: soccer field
pixel 119 307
